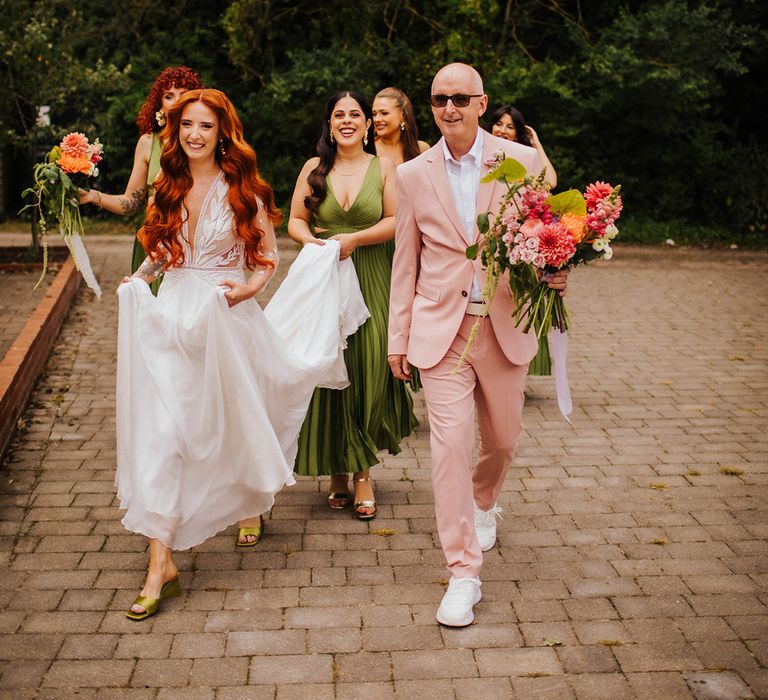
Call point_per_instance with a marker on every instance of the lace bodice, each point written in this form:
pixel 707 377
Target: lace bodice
pixel 215 244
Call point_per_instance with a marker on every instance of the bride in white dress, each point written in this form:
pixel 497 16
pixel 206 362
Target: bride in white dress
pixel 211 391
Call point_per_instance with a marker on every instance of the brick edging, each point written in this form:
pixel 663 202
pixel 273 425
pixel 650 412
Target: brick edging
pixel 26 357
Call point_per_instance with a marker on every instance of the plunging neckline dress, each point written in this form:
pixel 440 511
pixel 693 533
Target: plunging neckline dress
pixel 345 429
pixel 210 399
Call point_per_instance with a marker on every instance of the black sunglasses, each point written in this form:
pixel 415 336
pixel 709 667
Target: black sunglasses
pixel 458 100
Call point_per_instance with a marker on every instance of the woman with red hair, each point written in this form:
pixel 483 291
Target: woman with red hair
pixel 168 86
pixel 211 391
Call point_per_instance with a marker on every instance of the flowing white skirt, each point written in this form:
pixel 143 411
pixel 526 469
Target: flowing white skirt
pixel 210 400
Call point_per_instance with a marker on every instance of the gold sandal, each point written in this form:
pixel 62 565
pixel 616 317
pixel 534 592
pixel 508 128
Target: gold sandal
pixel 343 496
pixel 257 532
pixel 358 513
pixel 170 589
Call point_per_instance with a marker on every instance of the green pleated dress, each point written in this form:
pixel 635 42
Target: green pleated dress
pixel 345 429
pixel 138 255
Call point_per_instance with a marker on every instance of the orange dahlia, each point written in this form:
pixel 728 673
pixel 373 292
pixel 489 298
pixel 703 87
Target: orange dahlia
pixel 576 225
pixel 74 164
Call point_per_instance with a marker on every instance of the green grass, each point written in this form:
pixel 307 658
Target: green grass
pixel 641 230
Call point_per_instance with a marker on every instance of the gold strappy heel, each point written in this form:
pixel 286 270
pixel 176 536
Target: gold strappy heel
pixel 361 515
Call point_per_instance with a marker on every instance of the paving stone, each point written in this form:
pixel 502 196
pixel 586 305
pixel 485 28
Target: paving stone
pixel 266 642
pixel 601 686
pixel 291 669
pixel 708 685
pixel 369 691
pixel 161 673
pixel 656 657
pixel 79 673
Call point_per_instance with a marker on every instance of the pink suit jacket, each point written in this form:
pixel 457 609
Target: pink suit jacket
pixel 431 275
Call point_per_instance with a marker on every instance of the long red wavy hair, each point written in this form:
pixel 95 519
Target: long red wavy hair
pixel 248 191
pixel 173 76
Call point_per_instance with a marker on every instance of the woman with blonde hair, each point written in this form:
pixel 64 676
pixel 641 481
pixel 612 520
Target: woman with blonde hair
pixel 394 124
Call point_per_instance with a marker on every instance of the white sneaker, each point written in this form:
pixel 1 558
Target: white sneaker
pixel 485 526
pixel 456 607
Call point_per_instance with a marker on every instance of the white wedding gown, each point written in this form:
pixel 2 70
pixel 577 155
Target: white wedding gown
pixel 210 399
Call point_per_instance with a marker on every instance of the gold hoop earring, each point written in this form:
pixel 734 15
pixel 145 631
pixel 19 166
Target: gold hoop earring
pixel 222 150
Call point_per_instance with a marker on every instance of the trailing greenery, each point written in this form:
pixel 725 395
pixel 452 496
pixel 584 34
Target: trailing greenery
pixel 666 97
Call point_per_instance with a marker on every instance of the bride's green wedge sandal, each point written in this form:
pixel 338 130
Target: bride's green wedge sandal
pixel 256 532
pixel 170 589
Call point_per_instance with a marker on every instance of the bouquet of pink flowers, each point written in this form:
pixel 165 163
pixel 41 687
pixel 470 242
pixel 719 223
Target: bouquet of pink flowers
pixel 536 233
pixel 55 194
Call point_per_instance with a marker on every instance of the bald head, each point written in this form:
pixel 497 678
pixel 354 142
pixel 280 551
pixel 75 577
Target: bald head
pixel 459 123
pixel 459 72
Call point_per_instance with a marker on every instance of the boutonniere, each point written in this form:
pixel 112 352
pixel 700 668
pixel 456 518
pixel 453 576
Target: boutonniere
pixel 495 160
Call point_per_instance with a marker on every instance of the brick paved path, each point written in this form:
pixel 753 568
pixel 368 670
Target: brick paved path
pixel 632 558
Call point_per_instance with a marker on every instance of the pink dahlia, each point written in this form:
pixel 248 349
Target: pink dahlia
pixel 596 192
pixel 556 244
pixel 75 145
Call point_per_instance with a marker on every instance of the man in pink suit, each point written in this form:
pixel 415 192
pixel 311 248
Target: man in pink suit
pixel 435 298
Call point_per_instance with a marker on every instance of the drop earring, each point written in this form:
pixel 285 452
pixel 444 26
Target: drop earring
pixel 402 126
pixel 333 140
pixel 222 150
pixel 365 139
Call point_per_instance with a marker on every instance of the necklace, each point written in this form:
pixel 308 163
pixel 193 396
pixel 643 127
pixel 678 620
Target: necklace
pixel 354 172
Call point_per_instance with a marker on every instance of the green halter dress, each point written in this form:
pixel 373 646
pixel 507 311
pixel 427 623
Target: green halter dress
pixel 345 429
pixel 153 169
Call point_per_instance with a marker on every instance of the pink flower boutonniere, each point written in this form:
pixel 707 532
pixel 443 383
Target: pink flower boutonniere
pixel 495 160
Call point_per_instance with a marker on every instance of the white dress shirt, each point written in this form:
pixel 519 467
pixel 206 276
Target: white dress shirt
pixel 464 178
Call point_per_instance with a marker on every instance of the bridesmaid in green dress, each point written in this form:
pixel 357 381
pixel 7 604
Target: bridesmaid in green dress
pixel 348 194
pixel 168 86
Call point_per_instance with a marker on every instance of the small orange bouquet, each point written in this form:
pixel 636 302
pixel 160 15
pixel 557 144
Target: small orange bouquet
pixel 55 194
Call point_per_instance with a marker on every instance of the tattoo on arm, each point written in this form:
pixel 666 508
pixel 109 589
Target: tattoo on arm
pixel 136 201
pixel 150 268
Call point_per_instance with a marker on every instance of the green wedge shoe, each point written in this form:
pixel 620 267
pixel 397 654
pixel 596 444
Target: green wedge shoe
pixel 170 589
pixel 256 531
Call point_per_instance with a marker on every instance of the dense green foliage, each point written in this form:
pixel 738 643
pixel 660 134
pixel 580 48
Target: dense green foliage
pixel 665 96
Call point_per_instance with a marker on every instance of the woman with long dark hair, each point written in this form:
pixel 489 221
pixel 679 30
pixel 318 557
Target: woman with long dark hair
pixel 508 123
pixel 168 86
pixel 394 123
pixel 211 391
pixel 347 194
